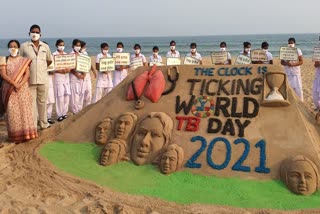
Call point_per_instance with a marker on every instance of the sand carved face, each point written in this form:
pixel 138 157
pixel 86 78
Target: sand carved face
pixel 125 125
pixel 150 137
pixel 301 176
pixel 113 152
pixel 171 159
pixel 103 131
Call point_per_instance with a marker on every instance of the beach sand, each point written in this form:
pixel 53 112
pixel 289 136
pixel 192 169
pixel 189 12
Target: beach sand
pixel 30 184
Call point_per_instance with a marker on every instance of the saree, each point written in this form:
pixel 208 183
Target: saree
pixel 18 103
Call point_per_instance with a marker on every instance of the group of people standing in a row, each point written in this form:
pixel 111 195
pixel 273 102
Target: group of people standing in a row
pixel 28 93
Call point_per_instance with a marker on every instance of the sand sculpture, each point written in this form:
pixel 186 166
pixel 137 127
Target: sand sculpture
pixel 153 133
pixel 103 131
pixel 171 159
pixel 125 125
pixel 113 152
pixel 275 91
pixel 300 174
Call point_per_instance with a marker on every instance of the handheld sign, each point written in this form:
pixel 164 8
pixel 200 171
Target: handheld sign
pixel 156 63
pixel 122 58
pixel 242 60
pixel 136 62
pixel 83 63
pixel 65 61
pixel 173 61
pixel 107 64
pixel 50 68
pixel 191 61
pixel 219 57
pixel 316 54
pixel 288 53
pixel 258 55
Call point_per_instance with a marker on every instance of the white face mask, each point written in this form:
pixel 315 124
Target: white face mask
pixel 34 36
pixel 13 51
pixel 137 51
pixel 266 50
pixel 172 48
pixel 223 49
pixel 193 50
pixel 291 45
pixel 60 48
pixel 119 50
pixel 105 52
pixel 76 49
pixel 155 54
pixel 247 50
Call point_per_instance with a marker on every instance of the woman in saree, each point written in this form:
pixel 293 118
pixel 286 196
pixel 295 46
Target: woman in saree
pixel 16 96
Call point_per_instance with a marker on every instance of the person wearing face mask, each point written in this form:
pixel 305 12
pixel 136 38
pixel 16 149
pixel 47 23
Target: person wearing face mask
pixel 61 85
pixel 16 95
pixel 41 57
pixel 265 47
pixel 246 49
pixel 76 82
pixel 292 69
pixel 173 52
pixel 138 54
pixel 121 72
pixel 193 52
pixel 223 48
pixel 155 57
pixel 104 81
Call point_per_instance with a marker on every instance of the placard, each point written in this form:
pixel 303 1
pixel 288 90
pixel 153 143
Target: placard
pixel 156 63
pixel 242 60
pixel 107 64
pixel 173 61
pixel 136 62
pixel 65 61
pixel 83 63
pixel 122 58
pixel 316 54
pixel 50 68
pixel 288 53
pixel 191 61
pixel 219 57
pixel 258 55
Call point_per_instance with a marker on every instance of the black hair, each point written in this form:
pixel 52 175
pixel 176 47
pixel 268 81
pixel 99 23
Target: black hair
pixel 155 48
pixel 35 26
pixel 223 43
pixel 75 42
pixel 173 42
pixel 103 45
pixel 136 46
pixel 193 45
pixel 120 43
pixel 13 40
pixel 59 41
pixel 83 43
pixel 246 44
pixel 292 40
pixel 264 44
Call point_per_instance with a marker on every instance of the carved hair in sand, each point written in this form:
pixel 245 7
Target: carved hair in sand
pixel 125 125
pixel 113 152
pixel 171 159
pixel 103 131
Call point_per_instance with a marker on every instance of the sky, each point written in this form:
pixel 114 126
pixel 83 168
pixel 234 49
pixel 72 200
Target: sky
pixel 129 18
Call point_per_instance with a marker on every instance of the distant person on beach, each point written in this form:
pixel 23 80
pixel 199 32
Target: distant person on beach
pixel 265 47
pixel 293 71
pixel 173 52
pixel 41 57
pixel 155 57
pixel 104 80
pixel 87 85
pixel 61 85
pixel 223 48
pixel 16 96
pixel 246 49
pixel 316 86
pixel 121 71
pixel 193 52
pixel 137 54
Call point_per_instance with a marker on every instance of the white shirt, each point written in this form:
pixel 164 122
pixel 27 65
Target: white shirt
pixel 176 55
pixel 197 55
pixel 294 70
pixel 133 56
pixel 60 78
pixel 153 59
pixel 269 57
pixel 104 80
